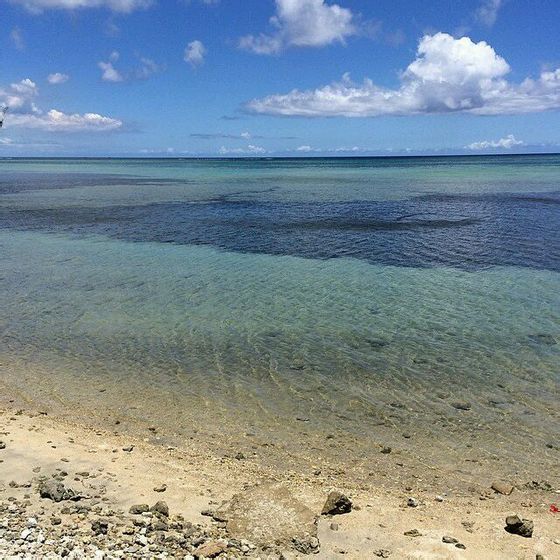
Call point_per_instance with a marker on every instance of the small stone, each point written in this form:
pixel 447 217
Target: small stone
pixel 240 456
pixel 412 502
pixel 139 509
pixel 461 546
pixel 160 488
pixel 502 488
pixel 56 521
pixel 334 526
pixel 460 405
pixel 55 491
pixel 412 533
pixel 386 450
pixel 210 549
pixel 382 553
pixel 160 507
pixel 440 498
pixel 142 540
pixel 2 445
pixel 336 504
pixel 100 527
pixel 449 540
pixel 128 448
pixel 517 526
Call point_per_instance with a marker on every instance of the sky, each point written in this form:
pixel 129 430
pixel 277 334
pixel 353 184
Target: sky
pixel 181 78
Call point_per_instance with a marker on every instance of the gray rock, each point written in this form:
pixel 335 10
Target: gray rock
pixel 56 491
pixel 460 405
pixel 100 527
pixel 2 445
pixel 336 504
pixel 412 533
pixel 160 507
pixel 382 553
pixel 412 502
pixel 517 526
pixel 139 509
pixel 449 540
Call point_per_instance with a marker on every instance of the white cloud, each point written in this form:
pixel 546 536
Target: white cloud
pixel 57 121
pixel 251 149
pixel 20 97
pixel 108 71
pixel 57 78
pixel 123 6
pixel 302 23
pixel 17 38
pixel 507 143
pixel 448 75
pixel 145 68
pixel 195 52
pixel 487 12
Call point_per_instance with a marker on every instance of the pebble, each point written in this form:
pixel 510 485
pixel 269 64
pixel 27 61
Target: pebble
pixel 517 526
pixel 412 533
pixel 502 488
pixel 336 504
pixel 412 502
pixel 449 540
pixel 161 488
pixel 461 405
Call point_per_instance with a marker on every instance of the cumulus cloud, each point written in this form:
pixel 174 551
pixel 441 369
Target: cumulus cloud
pixel 21 98
pixel 251 149
pixel 448 76
pixel 145 68
pixel 57 78
pixel 302 23
pixel 123 6
pixel 487 12
pixel 195 52
pixel 507 143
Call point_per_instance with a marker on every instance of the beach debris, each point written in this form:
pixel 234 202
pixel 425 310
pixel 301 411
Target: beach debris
pixel 161 508
pixel 412 533
pixel 502 488
pixel 139 509
pixel 56 491
pixel 337 503
pixel 210 549
pixel 517 526
pixel 554 508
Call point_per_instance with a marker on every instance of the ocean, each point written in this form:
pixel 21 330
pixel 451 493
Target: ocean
pixel 410 302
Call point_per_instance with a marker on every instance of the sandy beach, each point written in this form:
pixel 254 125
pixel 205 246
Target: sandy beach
pixel 233 506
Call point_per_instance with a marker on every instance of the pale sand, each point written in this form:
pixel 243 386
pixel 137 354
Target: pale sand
pixel 198 479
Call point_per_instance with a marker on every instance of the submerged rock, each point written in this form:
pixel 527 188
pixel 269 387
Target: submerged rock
pixel 337 503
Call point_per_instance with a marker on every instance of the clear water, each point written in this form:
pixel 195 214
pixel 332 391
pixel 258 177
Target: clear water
pixel 362 295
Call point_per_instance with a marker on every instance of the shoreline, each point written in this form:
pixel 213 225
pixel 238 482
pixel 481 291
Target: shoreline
pixel 198 478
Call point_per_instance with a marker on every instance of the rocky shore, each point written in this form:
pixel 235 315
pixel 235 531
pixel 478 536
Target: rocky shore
pixel 76 492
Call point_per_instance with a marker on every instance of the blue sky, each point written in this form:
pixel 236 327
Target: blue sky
pixel 279 77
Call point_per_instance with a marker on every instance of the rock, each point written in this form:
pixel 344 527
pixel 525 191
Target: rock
pixel 334 526
pixel 336 504
pixel 461 546
pixel 139 509
pixel 449 540
pixel 460 405
pixel 161 508
pixel 412 533
pixel 268 513
pixel 517 526
pixel 99 527
pixel 2 445
pixel 502 488
pixel 161 488
pixel 56 491
pixel 210 549
pixel 56 521
pixel 128 448
pixel 306 544
pixel 539 557
pixel 386 449
pixel 412 502
pixel 382 553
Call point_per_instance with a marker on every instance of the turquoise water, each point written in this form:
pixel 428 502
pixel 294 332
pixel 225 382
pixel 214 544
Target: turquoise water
pixel 363 295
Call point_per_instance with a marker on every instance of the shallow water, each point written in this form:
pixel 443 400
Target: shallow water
pixel 363 295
